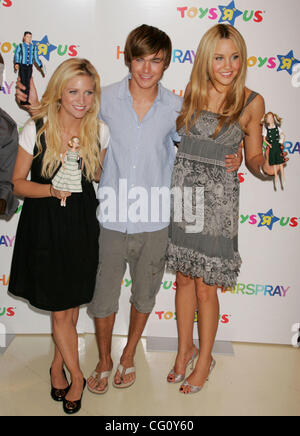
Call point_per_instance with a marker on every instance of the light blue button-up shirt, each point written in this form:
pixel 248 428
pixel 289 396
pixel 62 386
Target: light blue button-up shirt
pixel 134 186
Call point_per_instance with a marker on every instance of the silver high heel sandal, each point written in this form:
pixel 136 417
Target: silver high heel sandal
pixel 195 389
pixel 179 377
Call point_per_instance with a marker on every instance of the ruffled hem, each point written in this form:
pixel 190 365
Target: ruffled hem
pixel 213 270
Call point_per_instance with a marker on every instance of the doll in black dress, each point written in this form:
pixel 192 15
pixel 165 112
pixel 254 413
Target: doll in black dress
pixel 274 138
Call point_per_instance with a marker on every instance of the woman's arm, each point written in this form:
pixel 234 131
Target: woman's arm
pixel 26 188
pixel 255 160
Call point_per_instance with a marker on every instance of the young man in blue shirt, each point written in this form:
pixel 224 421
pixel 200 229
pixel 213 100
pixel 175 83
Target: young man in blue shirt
pixel 141 116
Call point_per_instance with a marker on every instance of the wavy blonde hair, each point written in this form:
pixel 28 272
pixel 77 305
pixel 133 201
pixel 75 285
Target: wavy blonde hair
pixel 49 111
pixel 196 96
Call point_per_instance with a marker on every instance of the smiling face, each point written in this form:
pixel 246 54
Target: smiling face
pixel 27 38
pixel 226 63
pixel 270 119
pixel 147 70
pixel 77 97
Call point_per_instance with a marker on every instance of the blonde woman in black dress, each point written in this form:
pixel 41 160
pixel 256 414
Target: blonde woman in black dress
pixel 56 249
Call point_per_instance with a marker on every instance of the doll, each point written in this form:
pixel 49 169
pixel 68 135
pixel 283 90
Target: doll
pixel 274 138
pixel 26 55
pixel 68 177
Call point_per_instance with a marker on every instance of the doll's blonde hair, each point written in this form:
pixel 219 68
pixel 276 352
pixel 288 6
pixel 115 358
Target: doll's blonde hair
pixel 49 111
pixel 277 119
pixel 196 96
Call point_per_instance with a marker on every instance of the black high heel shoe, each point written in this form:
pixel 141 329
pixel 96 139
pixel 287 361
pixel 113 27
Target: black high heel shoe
pixel 59 394
pixel 71 407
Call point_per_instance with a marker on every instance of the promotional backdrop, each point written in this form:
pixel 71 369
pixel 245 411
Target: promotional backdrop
pixel 265 304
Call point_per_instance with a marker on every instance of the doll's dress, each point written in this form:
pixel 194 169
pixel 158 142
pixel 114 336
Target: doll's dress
pixel 56 250
pixel 68 177
pixel 207 247
pixel 273 137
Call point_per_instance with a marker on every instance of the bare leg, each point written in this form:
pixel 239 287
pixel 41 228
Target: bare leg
pixel 281 173
pixel 137 324
pixel 104 329
pixel 66 340
pixel 57 376
pixel 275 174
pixel 186 304
pixel 208 321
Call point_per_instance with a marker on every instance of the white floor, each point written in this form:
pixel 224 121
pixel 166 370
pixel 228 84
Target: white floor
pixel 257 380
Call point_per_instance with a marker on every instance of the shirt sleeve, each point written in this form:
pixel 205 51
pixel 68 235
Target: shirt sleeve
pixel 175 137
pixel 36 57
pixel 17 56
pixel 28 136
pixel 104 136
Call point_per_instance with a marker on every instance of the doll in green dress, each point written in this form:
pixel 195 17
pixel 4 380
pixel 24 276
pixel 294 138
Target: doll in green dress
pixel 68 177
pixel 274 138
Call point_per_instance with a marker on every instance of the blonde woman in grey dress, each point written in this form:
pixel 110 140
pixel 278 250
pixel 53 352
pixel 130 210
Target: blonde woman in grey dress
pixel 218 113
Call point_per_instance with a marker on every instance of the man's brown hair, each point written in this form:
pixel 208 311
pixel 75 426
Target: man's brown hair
pixel 146 40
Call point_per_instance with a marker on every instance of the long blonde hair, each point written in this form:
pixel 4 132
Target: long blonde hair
pixel 196 96
pixel 49 111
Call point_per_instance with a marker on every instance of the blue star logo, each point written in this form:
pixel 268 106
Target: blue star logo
pixel 229 13
pixel 287 62
pixel 44 47
pixel 267 219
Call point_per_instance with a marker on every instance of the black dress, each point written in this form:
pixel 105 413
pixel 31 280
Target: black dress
pixel 275 153
pixel 55 256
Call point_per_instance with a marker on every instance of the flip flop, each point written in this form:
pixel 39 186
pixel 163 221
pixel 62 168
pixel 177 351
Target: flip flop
pixel 124 371
pixel 98 376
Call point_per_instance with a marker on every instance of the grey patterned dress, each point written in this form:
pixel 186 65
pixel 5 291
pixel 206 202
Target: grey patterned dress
pixel 205 209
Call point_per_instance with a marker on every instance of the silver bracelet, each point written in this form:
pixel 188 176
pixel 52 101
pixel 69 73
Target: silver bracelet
pixel 262 173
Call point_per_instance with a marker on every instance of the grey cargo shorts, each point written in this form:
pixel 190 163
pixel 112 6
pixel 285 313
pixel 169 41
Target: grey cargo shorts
pixel 145 253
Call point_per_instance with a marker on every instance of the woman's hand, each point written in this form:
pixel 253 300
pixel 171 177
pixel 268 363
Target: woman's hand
pixel 269 169
pixel 60 195
pixel 234 161
pixel 21 96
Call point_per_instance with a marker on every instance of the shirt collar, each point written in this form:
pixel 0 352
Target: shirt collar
pixel 125 93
